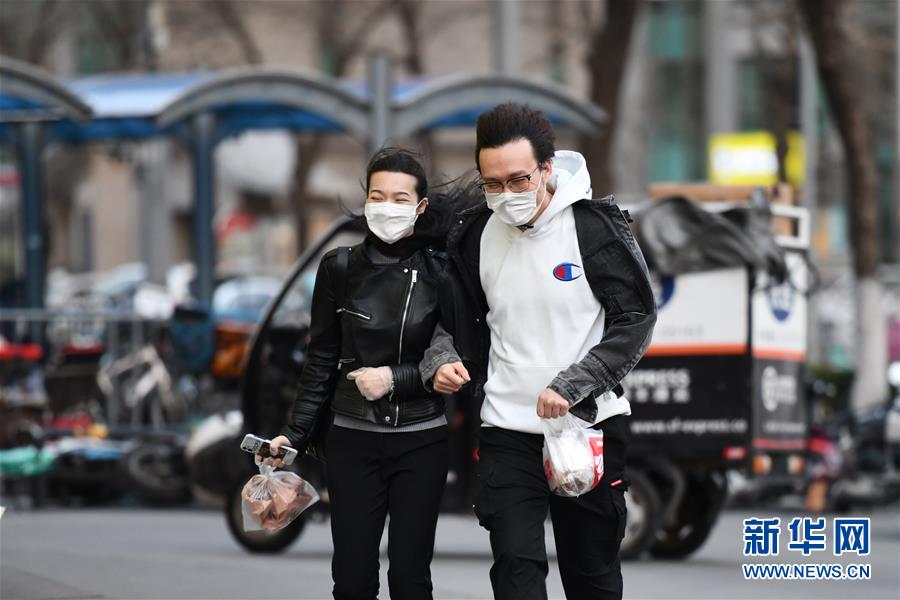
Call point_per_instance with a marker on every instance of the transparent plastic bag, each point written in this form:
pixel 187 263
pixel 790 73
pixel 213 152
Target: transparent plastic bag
pixel 272 499
pixel 573 455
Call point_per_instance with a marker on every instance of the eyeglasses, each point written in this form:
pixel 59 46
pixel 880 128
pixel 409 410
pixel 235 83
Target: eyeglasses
pixel 516 184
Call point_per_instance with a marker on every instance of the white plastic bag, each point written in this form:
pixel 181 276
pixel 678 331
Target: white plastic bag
pixel 573 455
pixel 272 499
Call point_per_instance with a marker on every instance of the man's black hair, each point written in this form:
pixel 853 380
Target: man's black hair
pixel 510 122
pixel 398 160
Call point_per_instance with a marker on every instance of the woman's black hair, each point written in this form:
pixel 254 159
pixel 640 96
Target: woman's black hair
pixel 446 201
pixel 398 160
pixel 509 122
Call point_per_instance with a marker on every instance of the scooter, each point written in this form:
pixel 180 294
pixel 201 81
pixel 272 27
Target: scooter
pixel 855 459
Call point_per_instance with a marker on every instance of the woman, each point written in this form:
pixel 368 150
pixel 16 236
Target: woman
pixel 373 319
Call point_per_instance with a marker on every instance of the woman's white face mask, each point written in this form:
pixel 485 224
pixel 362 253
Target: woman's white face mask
pixel 391 221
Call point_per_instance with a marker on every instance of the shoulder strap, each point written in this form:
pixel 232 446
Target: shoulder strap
pixel 437 259
pixel 340 280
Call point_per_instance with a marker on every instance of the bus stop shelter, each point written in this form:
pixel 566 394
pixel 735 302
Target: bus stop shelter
pixel 202 108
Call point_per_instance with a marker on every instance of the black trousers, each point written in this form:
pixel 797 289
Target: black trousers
pixel 372 475
pixel 512 501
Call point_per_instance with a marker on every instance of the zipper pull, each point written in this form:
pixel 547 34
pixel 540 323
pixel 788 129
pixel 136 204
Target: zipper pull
pixel 415 275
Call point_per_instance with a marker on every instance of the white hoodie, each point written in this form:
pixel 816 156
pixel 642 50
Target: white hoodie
pixel 542 314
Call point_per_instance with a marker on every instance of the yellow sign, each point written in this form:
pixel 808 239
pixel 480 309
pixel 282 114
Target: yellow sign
pixel 748 158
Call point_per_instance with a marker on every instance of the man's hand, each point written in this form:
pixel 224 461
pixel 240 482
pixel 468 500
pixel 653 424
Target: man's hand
pixel 551 405
pixel 450 377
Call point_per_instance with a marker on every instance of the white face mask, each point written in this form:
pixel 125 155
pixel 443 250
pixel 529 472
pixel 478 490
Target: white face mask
pixel 515 208
pixel 391 221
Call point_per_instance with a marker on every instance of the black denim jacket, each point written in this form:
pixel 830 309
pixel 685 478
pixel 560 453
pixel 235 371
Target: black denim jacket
pixel 618 277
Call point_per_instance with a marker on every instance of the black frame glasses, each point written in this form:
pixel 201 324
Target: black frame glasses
pixel 515 184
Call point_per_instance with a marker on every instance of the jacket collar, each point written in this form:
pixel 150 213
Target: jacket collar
pixel 481 207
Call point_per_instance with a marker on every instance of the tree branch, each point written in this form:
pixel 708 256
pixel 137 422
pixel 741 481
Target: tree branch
pixel 47 27
pixel 351 43
pixel 836 67
pixel 234 22
pixel 609 48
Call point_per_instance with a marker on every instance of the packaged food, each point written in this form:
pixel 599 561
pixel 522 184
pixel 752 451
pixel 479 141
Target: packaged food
pixel 272 499
pixel 573 455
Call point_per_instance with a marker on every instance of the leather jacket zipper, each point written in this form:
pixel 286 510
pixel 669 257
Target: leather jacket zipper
pixel 412 284
pixel 354 313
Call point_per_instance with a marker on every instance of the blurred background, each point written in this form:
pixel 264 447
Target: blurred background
pixel 171 171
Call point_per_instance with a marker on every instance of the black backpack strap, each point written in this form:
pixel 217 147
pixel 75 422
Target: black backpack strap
pixel 437 259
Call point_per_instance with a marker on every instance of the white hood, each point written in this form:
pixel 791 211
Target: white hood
pixel 569 183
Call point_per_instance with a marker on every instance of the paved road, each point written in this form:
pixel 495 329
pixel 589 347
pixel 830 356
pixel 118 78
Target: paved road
pixel 136 553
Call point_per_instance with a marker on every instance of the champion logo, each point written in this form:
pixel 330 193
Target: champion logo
pixel 567 271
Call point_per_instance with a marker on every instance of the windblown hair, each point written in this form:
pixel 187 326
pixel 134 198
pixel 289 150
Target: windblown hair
pixel 510 122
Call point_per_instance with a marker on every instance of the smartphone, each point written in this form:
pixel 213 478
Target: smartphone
pixel 258 445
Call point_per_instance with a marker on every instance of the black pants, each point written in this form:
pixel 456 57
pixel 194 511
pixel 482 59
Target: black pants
pixel 372 475
pixel 512 502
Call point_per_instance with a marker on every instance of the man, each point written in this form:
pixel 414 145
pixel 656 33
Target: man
pixel 547 298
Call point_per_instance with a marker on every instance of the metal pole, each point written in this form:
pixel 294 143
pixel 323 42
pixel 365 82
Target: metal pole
pixel 154 237
pixel 30 142
pixel 506 40
pixel 720 95
pixel 31 138
pixel 896 228
pixel 203 146
pixel 809 96
pixel 114 399
pixel 809 123
pixel 380 85
pixel 137 345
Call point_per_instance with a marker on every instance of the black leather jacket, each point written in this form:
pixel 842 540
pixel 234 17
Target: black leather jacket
pixel 618 277
pixel 387 318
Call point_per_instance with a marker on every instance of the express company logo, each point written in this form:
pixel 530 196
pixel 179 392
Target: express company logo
pixel 781 300
pixel 663 289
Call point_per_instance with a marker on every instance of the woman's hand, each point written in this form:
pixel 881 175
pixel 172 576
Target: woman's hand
pixel 450 377
pixel 373 382
pixel 274 446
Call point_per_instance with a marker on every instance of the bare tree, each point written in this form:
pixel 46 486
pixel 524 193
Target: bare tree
pixel 774 28
pixel 341 29
pixel 409 15
pixel 834 50
pixel 234 22
pixel 28 28
pixel 340 39
pixel 123 27
pixel 610 39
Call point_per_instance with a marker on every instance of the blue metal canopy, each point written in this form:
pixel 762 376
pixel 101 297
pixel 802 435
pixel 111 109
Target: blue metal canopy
pixel 127 105
pixel 204 107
